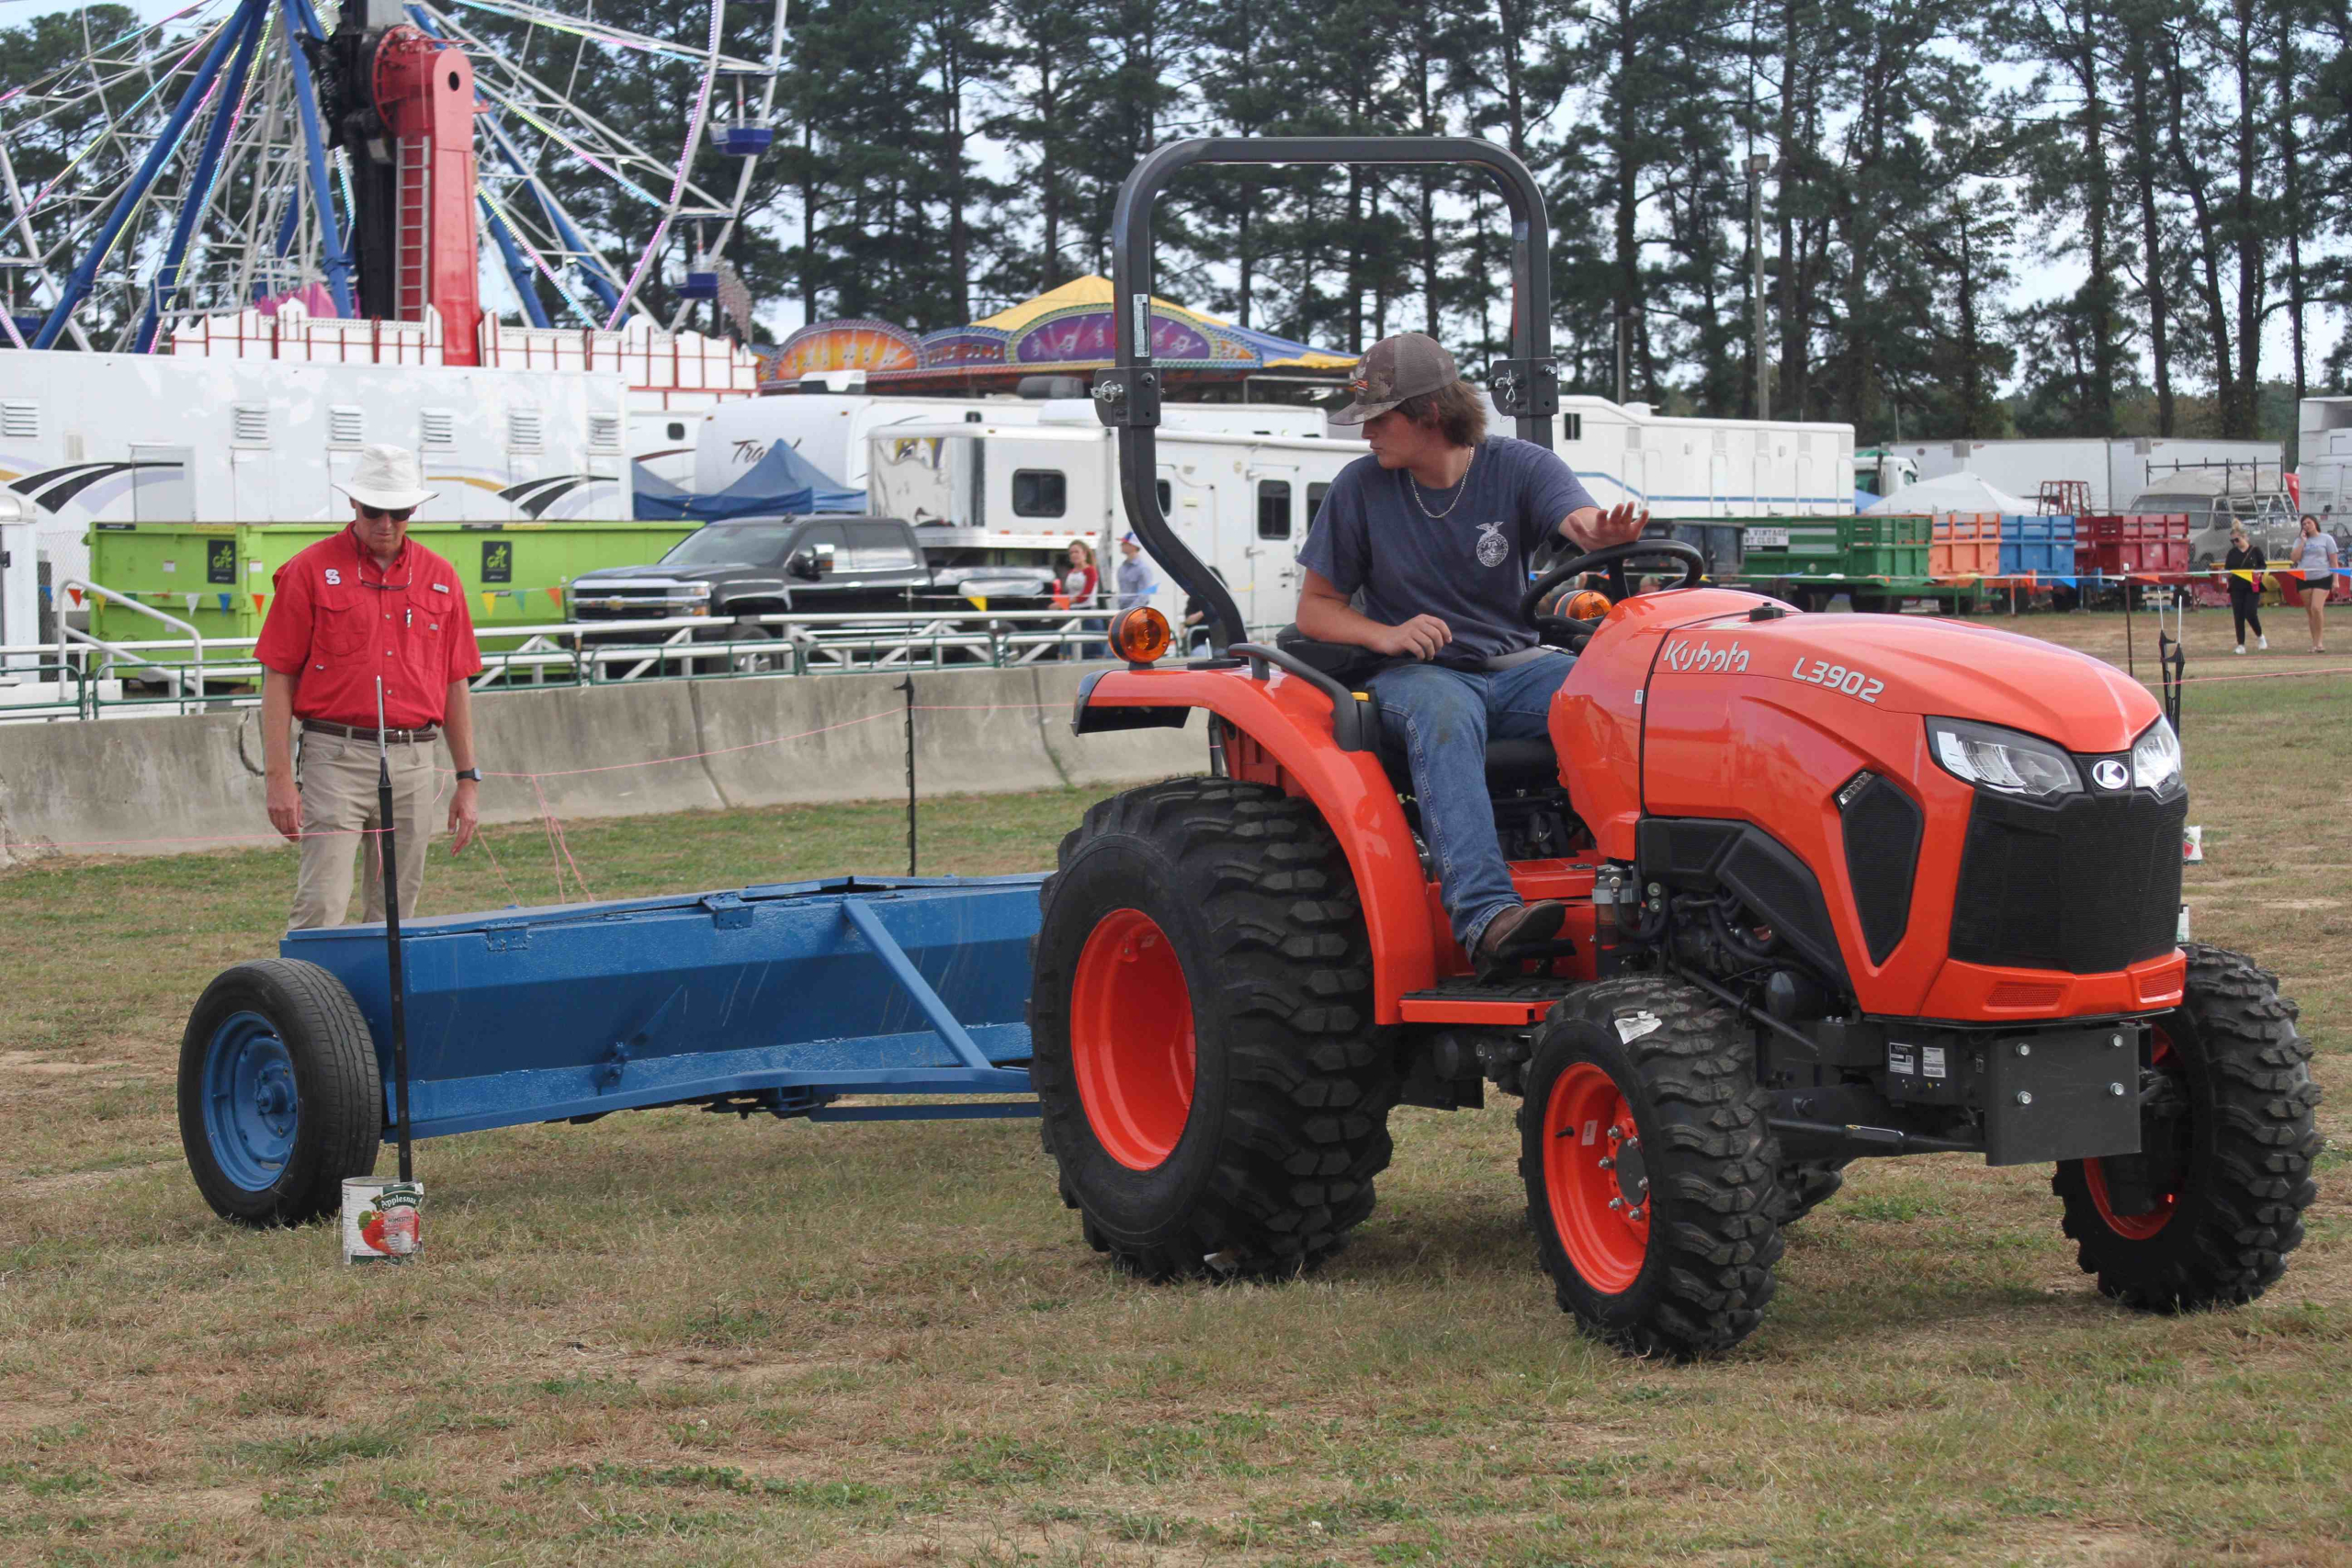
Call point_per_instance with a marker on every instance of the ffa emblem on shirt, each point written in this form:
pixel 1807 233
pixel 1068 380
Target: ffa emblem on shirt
pixel 1492 546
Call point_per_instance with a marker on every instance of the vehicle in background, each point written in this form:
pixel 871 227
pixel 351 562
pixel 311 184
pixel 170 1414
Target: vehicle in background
pixel 816 564
pixel 1878 470
pixel 2324 458
pixel 2219 497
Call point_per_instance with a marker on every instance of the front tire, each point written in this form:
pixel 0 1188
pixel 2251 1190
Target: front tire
pixel 1213 1088
pixel 1650 1167
pixel 2207 1212
pixel 279 1094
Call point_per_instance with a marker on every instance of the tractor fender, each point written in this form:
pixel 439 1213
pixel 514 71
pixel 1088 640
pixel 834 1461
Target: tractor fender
pixel 1285 738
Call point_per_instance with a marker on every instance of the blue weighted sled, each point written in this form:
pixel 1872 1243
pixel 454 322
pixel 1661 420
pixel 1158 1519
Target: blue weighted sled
pixel 781 998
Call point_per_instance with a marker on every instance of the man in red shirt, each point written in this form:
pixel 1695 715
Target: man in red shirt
pixel 366 605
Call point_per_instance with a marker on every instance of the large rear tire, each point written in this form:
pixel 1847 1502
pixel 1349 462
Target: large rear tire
pixel 1213 1088
pixel 1650 1167
pixel 279 1094
pixel 2227 1143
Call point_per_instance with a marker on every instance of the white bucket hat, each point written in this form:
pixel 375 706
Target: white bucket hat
pixel 389 478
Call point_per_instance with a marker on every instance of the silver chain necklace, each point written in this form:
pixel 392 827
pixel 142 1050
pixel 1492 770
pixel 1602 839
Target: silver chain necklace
pixel 1460 485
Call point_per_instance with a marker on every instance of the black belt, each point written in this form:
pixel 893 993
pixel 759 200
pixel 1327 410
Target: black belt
pixel 426 736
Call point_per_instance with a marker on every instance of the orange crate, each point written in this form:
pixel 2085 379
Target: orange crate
pixel 1965 545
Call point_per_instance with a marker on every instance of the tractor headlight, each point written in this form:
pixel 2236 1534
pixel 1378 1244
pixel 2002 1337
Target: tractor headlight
pixel 2004 760
pixel 2156 760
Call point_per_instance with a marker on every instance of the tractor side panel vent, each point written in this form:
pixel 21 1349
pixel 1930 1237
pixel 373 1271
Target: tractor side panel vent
pixel 1697 855
pixel 2086 887
pixel 1883 831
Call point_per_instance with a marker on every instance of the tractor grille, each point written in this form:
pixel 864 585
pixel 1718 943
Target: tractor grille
pixel 2086 887
pixel 1882 830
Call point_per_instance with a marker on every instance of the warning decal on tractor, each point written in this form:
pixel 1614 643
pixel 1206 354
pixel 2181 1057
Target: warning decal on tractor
pixel 1631 1026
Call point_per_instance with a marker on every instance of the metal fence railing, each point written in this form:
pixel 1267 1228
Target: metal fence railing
pixel 79 676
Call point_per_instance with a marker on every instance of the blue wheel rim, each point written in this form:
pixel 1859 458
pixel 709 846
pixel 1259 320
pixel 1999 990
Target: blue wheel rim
pixel 252 1111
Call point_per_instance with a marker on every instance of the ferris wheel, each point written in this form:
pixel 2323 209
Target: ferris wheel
pixel 246 152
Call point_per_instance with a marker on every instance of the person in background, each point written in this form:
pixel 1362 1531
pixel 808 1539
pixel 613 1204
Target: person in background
pixel 1081 582
pixel 368 605
pixel 1081 589
pixel 1196 637
pixel 1137 582
pixel 2246 592
pixel 2315 561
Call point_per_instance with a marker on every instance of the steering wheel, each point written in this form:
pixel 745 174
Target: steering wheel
pixel 1558 630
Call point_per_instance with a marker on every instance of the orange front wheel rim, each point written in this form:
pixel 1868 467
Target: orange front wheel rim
pixel 1595 1179
pixel 1132 1048
pixel 2133 1227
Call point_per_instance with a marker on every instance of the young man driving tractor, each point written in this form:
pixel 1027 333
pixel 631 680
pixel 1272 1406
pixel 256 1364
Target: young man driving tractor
pixel 1435 530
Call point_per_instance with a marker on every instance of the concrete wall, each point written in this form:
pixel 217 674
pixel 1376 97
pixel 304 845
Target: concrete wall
pixel 170 786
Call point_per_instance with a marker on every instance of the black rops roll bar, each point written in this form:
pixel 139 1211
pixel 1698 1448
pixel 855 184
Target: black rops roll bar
pixel 1126 396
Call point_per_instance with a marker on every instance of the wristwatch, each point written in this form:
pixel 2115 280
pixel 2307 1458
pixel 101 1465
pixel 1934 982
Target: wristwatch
pixel 474 774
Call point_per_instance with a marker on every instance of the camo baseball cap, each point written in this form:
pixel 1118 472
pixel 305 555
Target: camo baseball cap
pixel 1394 369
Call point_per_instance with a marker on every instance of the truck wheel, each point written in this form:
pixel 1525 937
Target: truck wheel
pixel 1806 1184
pixel 279 1097
pixel 1650 1168
pixel 2208 1208
pixel 1214 1091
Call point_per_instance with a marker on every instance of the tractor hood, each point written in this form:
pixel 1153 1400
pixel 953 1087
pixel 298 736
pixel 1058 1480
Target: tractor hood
pixel 1911 664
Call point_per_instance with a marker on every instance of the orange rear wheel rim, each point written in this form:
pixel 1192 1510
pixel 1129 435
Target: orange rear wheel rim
pixel 1132 1048
pixel 1595 1178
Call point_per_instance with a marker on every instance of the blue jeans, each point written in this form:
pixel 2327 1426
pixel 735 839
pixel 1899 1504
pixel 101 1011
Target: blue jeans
pixel 1444 718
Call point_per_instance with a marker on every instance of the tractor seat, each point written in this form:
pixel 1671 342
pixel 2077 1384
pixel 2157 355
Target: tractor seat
pixel 1511 764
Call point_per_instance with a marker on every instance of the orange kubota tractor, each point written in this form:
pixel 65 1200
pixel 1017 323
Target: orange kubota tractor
pixel 1839 886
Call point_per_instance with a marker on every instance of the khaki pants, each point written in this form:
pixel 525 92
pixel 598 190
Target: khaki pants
pixel 337 778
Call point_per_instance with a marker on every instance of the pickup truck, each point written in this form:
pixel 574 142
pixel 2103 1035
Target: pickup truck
pixel 827 564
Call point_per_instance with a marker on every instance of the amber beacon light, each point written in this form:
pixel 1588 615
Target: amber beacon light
pixel 1140 636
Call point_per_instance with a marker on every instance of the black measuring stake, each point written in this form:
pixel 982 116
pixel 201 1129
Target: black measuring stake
pixel 907 686
pixel 388 866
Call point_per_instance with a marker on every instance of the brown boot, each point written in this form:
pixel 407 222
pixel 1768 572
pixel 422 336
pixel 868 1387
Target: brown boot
pixel 1518 933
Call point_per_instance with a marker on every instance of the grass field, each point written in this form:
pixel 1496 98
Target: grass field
pixel 674 1338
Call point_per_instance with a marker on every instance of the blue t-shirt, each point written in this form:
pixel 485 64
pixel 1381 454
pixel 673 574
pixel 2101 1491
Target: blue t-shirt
pixel 1468 568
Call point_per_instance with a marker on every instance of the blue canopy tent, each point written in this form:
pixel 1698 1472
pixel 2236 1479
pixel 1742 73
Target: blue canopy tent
pixel 781 483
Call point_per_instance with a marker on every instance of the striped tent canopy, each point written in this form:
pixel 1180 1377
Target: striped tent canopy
pixel 1066 331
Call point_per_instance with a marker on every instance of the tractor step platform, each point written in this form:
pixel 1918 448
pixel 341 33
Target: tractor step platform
pixel 1467 1000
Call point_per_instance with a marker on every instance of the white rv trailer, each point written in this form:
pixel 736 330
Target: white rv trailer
pixel 834 430
pixel 91 438
pixel 2323 456
pixel 1240 502
pixel 1678 468
pixel 1706 468
pixel 2115 470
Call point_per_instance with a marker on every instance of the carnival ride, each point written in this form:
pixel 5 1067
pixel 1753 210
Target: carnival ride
pixel 247 152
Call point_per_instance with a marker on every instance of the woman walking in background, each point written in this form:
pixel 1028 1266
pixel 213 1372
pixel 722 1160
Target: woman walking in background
pixel 2246 564
pixel 2315 561
pixel 1081 590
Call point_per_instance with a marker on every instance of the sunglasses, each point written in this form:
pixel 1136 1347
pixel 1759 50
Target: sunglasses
pixel 398 513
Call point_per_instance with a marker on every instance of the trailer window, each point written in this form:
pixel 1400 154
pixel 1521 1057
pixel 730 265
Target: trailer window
pixel 1273 508
pixel 1167 494
pixel 1315 494
pixel 1039 493
pixel 873 548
